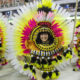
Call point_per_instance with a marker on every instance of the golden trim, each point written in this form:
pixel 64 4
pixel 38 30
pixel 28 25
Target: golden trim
pixel 45 47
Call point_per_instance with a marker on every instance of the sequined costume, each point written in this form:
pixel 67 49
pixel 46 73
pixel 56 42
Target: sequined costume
pixel 77 45
pixel 3 34
pixel 32 56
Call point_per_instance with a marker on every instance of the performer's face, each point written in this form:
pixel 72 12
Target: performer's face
pixel 44 37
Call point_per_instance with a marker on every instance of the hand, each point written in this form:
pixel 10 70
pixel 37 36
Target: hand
pixel 71 45
pixel 21 58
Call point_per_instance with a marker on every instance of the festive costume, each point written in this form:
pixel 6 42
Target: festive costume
pixel 3 34
pixel 40 39
pixel 77 45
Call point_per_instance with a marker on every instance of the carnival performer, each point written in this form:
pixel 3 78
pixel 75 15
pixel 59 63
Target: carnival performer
pixel 3 28
pixel 77 46
pixel 39 39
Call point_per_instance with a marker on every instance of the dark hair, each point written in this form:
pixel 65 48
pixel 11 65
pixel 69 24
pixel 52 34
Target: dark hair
pixel 0 44
pixel 45 9
pixel 50 38
pixel 26 0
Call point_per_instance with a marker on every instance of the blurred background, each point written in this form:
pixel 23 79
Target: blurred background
pixel 9 7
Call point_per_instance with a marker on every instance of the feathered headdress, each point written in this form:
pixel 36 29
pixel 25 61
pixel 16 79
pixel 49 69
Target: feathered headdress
pixel 77 38
pixel 32 19
pixel 3 42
